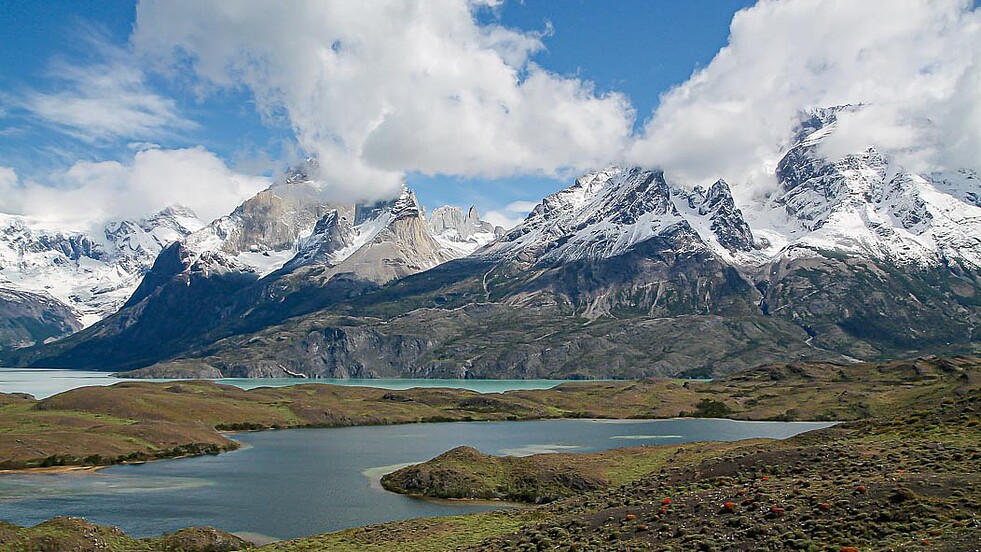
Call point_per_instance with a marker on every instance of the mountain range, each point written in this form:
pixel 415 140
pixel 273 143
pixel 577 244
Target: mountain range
pixel 625 273
pixel 54 282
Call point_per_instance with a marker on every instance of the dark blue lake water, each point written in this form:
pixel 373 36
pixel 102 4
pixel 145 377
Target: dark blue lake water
pixel 306 481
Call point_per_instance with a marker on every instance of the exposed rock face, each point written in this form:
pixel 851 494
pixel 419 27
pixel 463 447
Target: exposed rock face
pixel 31 319
pixel 331 236
pixel 865 205
pixel 602 215
pixel 463 232
pixel 727 221
pixel 620 275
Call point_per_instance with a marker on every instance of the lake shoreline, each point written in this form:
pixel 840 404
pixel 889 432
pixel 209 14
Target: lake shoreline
pixel 143 421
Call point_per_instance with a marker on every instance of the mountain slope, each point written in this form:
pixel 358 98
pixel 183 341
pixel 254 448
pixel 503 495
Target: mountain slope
pixel 28 319
pixel 89 275
pixel 623 274
pixel 283 252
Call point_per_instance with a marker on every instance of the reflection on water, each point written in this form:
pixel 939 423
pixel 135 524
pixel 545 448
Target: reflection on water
pixel 19 486
pixel 300 482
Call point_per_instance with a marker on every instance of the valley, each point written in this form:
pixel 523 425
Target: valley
pixel 901 471
pixel 490 275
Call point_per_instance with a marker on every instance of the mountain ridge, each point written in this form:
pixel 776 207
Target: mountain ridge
pixel 622 274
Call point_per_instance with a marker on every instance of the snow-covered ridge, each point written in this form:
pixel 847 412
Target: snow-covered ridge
pixel 92 273
pixel 865 204
pixel 861 203
pixel 606 213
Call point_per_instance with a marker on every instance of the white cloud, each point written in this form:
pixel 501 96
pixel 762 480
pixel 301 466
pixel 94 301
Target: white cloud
pixel 8 178
pixel 915 63
pixel 512 214
pixel 104 101
pixel 376 89
pixel 89 194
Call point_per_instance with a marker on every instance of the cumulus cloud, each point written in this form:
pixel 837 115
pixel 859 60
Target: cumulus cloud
pixel 914 64
pixel 104 101
pixel 376 89
pixel 512 214
pixel 89 194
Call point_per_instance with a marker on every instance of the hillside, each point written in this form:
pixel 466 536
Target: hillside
pixel 136 421
pixel 905 478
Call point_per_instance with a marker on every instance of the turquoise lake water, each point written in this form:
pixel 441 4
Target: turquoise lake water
pixel 44 382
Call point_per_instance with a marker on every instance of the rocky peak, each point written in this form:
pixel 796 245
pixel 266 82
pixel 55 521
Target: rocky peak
pixel 332 234
pixel 301 172
pixel 603 214
pixel 406 205
pixel 450 223
pixel 726 221
pixel 866 203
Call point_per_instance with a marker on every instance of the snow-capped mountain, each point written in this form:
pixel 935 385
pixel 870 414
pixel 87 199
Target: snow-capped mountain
pixel 625 273
pixel 91 273
pixel 289 226
pixel 606 213
pixel 462 232
pixel 865 204
pixel 860 204
pixel 378 243
pixel 265 231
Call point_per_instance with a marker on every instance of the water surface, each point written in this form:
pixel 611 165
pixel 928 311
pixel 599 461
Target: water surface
pixel 44 382
pixel 301 482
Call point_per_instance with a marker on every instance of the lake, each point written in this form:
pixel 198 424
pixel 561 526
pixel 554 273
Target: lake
pixel 44 382
pixel 299 482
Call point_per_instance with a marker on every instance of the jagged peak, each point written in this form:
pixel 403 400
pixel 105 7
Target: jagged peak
pixel 406 205
pixel 815 123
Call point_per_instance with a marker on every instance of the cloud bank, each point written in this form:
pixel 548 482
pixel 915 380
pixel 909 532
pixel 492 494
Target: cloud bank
pixel 88 194
pixel 380 88
pixel 510 215
pixel 376 89
pixel 913 63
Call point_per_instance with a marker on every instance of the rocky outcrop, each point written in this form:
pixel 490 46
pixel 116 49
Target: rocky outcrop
pixel 727 223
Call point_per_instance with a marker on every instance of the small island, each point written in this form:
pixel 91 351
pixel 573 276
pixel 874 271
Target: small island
pixel 900 472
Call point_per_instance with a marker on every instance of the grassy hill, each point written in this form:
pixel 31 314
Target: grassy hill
pixel 137 421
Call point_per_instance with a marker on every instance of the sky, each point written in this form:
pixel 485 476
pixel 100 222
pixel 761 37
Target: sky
pixel 112 109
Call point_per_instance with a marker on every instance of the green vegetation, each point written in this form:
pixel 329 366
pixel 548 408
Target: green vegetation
pixel 79 535
pixel 138 421
pixel 899 482
pixel 905 475
pixel 541 478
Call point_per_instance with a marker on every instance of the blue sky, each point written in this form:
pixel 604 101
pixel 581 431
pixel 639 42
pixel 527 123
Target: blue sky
pixel 485 105
pixel 637 47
